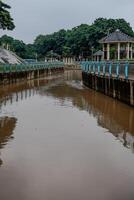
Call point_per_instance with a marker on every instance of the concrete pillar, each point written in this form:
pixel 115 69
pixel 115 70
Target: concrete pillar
pixel 38 73
pixel 128 48
pixel 131 94
pixel 64 60
pixel 131 52
pixel 71 60
pixel 118 51
pixel 108 51
pixel 103 51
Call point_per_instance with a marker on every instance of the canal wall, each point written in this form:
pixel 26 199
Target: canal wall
pixel 15 73
pixel 117 88
pixel 75 66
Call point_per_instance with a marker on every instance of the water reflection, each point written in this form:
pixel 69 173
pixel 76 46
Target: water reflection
pixel 7 126
pixel 69 156
pixel 23 90
pixel 1 162
pixel 112 115
pixel 17 92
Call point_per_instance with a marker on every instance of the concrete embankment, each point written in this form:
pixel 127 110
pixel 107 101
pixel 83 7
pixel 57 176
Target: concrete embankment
pixel 72 67
pixel 120 89
pixel 19 75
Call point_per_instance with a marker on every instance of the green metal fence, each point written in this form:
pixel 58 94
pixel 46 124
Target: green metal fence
pixel 10 68
pixel 109 68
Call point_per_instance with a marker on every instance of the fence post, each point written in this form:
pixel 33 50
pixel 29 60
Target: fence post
pixel 126 70
pixel 89 67
pixel 104 68
pixel 110 68
pixel 86 66
pixel 94 67
pixel 98 68
pixel 117 69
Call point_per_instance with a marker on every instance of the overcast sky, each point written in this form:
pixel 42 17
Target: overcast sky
pixel 34 17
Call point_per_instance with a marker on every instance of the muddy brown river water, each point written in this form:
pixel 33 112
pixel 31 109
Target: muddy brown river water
pixel 62 141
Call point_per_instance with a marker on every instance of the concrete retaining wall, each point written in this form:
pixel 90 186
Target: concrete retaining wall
pixel 72 67
pixel 27 75
pixel 120 89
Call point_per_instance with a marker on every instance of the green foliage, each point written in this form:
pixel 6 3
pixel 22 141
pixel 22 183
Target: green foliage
pixel 80 40
pixel 112 52
pixel 110 25
pixel 6 21
pixel 18 46
pixel 55 42
pixel 77 42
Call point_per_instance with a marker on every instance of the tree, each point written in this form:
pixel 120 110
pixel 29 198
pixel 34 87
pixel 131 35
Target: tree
pixel 6 41
pixel 47 43
pixel 30 51
pixel 110 25
pixel 77 42
pixel 19 47
pixel 80 40
pixel 6 21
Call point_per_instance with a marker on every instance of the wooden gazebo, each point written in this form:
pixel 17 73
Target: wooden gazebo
pixel 118 46
pixel 98 56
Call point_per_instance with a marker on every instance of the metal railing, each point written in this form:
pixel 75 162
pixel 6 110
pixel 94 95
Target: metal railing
pixel 116 69
pixel 11 68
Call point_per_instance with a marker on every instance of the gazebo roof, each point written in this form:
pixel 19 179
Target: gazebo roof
pixel 98 53
pixel 117 36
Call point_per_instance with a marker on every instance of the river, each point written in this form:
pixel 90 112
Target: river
pixel 62 141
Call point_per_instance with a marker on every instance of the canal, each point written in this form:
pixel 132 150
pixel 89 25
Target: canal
pixel 62 141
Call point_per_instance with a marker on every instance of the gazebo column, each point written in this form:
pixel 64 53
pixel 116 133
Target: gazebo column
pixel 128 48
pixel 118 51
pixel 131 51
pixel 108 51
pixel 103 57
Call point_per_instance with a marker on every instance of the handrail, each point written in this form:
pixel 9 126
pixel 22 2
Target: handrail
pixel 10 68
pixel 108 68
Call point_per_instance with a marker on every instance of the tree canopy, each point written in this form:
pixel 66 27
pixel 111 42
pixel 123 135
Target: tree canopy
pixel 18 46
pixel 81 39
pixel 77 42
pixel 6 21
